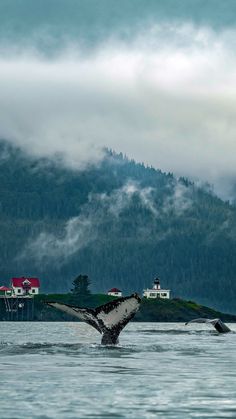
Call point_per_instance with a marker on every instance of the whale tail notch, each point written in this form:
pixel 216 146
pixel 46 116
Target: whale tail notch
pixel 108 319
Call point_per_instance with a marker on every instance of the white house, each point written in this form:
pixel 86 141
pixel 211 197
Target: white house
pixel 25 286
pixel 156 291
pixel 115 292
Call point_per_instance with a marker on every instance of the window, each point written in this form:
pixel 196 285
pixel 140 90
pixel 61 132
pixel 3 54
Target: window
pixel 152 294
pixel 19 291
pixel 33 291
pixel 164 294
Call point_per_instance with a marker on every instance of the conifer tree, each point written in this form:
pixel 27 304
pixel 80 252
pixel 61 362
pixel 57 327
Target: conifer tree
pixel 81 286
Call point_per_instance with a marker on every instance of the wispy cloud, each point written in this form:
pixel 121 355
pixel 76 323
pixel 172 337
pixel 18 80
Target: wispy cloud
pixel 121 198
pixel 82 231
pixel 166 96
pixel 179 200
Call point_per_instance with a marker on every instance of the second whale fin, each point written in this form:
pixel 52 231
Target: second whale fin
pixel 217 323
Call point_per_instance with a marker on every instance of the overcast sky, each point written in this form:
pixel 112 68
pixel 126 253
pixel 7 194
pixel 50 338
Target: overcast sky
pixel 153 79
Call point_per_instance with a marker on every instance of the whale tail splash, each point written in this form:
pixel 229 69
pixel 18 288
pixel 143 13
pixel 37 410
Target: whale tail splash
pixel 217 323
pixel 109 319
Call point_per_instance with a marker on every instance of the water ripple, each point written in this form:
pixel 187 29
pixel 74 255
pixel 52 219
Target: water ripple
pixel 61 371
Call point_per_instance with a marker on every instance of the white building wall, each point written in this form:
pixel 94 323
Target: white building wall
pixel 115 294
pixel 34 290
pixel 20 291
pixel 153 293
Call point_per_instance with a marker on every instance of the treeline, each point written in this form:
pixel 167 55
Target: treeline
pixel 142 223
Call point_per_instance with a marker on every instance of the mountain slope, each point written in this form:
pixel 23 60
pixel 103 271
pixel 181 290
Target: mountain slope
pixel 121 223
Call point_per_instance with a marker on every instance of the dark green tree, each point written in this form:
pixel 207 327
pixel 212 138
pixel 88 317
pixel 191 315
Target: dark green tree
pixel 80 288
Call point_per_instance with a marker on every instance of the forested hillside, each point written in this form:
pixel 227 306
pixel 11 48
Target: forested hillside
pixel 121 223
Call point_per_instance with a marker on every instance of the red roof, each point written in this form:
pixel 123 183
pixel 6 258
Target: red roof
pixel 3 288
pixel 18 282
pixel 114 290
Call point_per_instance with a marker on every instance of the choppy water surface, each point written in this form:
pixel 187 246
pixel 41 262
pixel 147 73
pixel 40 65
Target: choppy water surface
pixel 60 370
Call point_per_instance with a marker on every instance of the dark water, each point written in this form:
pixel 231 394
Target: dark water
pixel 60 370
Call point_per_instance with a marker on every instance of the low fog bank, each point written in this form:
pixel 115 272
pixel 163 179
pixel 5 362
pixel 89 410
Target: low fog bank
pixel 165 97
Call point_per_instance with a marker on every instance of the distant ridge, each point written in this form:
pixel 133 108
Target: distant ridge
pixel 121 222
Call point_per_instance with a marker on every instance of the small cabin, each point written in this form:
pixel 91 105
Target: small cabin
pixel 115 292
pixel 25 286
pixel 5 291
pixel 156 291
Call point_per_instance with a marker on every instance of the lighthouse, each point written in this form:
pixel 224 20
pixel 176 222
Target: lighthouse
pixel 156 284
pixel 156 291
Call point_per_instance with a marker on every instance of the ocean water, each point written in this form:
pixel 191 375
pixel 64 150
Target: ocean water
pixel 164 370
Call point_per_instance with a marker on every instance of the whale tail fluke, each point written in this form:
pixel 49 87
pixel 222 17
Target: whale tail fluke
pixel 109 319
pixel 217 323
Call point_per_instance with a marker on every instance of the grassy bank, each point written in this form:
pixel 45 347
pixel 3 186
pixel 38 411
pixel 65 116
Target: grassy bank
pixel 158 310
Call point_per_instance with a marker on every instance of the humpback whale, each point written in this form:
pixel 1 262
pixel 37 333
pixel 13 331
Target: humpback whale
pixel 217 323
pixel 109 319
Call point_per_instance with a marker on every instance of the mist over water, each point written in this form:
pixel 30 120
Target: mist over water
pixel 60 370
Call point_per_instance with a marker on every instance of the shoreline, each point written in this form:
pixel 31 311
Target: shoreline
pixel 158 310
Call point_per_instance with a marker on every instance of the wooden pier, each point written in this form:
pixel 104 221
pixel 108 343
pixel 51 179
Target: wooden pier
pixel 14 308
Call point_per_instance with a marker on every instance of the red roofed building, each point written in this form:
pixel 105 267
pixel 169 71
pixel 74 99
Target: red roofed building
pixel 5 290
pixel 115 292
pixel 24 286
